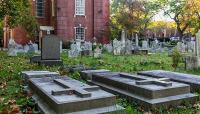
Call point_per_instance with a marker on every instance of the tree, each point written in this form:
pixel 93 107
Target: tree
pixel 19 13
pixel 180 11
pixel 133 16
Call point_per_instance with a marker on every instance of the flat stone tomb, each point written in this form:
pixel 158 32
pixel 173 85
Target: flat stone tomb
pixel 63 95
pixel 192 80
pixel 146 91
pixel 87 74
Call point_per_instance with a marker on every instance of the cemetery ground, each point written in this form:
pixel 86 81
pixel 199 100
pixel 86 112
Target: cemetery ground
pixel 13 99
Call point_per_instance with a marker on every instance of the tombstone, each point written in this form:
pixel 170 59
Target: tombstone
pixel 129 47
pixel 146 91
pixel 87 49
pixel 35 47
pixel 144 44
pixel 117 47
pixel 123 38
pixel 192 80
pixel 97 52
pixel 12 48
pixel 74 52
pixel 50 51
pixel 193 61
pixel 63 95
pixel 61 46
pixel 136 40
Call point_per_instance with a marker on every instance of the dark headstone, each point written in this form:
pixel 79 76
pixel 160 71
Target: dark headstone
pixel 192 80
pixel 50 48
pixel 50 52
pixel 145 91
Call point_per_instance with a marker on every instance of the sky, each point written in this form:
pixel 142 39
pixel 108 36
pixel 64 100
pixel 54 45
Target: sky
pixel 161 17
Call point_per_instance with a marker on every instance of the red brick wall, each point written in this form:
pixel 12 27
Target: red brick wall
pixel 95 20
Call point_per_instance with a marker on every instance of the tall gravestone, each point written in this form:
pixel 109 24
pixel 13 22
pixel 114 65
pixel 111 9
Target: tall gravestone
pixel 50 51
pixel 193 61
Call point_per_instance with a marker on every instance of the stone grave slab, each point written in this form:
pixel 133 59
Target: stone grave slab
pixel 146 91
pixel 26 75
pixel 63 95
pixel 192 80
pixel 87 74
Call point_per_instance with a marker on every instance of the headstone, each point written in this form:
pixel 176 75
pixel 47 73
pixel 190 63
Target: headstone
pixel 193 61
pixel 136 40
pixel 192 80
pixel 146 91
pixel 97 52
pixel 50 51
pixel 117 47
pixel 63 95
pixel 123 38
pixel 12 48
pixel 61 47
pixel 109 47
pixel 129 46
pixel 74 52
pixel 144 44
pixel 50 48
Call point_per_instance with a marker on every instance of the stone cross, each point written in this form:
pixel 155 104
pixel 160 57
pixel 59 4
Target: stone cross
pixel 71 89
pixel 161 81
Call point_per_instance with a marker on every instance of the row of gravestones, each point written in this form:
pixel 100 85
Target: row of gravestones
pixel 149 89
pixel 14 48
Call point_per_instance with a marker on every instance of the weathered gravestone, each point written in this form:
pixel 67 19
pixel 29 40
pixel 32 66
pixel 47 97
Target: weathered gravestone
pixel 74 51
pixel 192 80
pixel 145 91
pixel 193 61
pixel 63 95
pixel 50 52
pixel 12 48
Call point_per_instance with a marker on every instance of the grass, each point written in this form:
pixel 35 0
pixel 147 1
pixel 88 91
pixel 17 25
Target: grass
pixel 11 81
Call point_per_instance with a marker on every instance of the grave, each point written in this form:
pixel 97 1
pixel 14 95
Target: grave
pixel 69 96
pixel 12 48
pixel 87 74
pixel 146 91
pixel 193 61
pixel 50 52
pixel 192 80
pixel 26 75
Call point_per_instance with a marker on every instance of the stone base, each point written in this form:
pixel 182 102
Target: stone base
pixel 37 59
pixel 140 52
pixel 45 109
pixel 192 62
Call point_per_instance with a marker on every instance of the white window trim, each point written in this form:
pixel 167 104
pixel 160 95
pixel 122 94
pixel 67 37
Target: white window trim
pixel 76 8
pixel 43 10
pixel 84 33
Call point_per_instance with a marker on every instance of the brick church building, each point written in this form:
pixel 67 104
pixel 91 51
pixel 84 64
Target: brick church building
pixel 69 19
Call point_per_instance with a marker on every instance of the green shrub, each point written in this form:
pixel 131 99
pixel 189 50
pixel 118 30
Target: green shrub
pixel 176 58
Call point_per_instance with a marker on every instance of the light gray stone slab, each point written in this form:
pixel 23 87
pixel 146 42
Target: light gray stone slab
pixel 63 95
pixel 149 92
pixel 87 74
pixel 192 80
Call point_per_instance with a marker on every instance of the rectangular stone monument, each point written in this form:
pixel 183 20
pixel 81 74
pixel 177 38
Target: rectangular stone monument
pixel 192 80
pixel 145 91
pixel 63 95
pixel 26 75
pixel 87 74
pixel 50 52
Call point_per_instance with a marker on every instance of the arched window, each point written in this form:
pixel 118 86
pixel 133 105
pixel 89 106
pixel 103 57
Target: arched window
pixel 39 6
